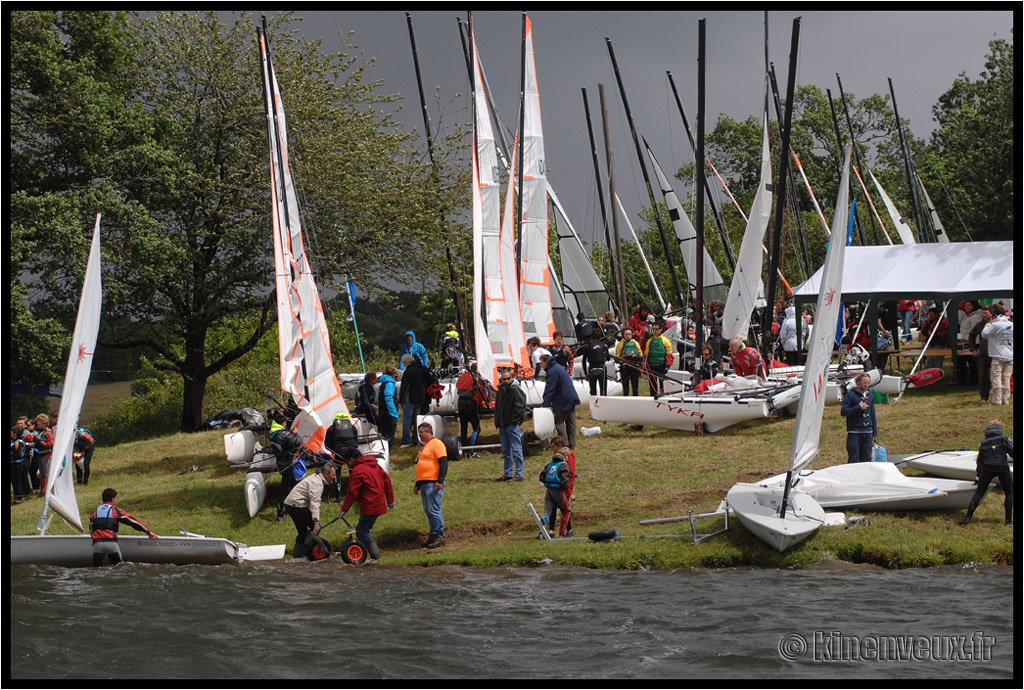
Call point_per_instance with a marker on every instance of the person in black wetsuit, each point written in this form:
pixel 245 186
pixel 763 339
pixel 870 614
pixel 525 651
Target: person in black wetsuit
pixel 595 356
pixel 992 464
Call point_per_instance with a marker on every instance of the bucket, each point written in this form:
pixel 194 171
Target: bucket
pixel 880 453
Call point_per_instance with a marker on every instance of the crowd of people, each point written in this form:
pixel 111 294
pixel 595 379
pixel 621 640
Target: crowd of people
pixel 32 440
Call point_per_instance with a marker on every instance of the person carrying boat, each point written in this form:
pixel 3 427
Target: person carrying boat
pixel 303 505
pixel 595 358
pixel 431 470
pixel 558 477
pixel 415 349
pixel 628 351
pixel 861 426
pixel 369 486
pixel 992 464
pixel 657 358
pixel 284 444
pixel 560 395
pixel 509 415
pixel 103 525
pixel 746 361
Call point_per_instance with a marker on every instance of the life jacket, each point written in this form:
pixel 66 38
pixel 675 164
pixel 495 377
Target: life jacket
pixel 19 451
pixel 657 353
pixel 342 434
pixel 630 350
pixel 104 519
pixel 551 478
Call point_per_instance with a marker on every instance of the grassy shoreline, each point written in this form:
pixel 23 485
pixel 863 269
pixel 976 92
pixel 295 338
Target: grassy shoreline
pixel 624 476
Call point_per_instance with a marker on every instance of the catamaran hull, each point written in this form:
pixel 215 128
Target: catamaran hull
pixel 757 507
pixel 74 551
pixel 879 486
pixel 255 492
pixel 949 464
pixel 713 411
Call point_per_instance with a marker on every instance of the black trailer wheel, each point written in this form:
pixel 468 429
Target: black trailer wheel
pixel 453 444
pixel 317 548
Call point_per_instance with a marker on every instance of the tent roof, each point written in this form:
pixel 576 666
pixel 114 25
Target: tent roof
pixel 939 271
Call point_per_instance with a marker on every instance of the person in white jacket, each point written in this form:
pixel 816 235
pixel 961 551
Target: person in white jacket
pixel 999 334
pixel 787 335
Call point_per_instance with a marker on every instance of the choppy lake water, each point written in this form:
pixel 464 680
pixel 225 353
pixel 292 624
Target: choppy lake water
pixel 297 619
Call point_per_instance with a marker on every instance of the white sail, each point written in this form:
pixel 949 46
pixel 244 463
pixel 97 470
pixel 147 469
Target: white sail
pixel 60 482
pixel 812 395
pixel 686 235
pixel 486 365
pixel 905 232
pixel 940 230
pixel 307 369
pixel 746 281
pixel 535 279
pixel 581 285
pixel 640 248
pixel 496 298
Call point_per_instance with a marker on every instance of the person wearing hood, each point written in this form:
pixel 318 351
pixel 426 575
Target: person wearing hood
pixel 415 349
pixel 369 486
pixel 992 464
pixel 787 335
pixel 387 407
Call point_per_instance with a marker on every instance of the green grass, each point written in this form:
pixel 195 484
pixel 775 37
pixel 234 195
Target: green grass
pixel 624 476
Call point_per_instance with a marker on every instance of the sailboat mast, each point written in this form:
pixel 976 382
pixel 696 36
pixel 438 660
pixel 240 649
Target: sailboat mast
pixel 613 255
pixel 609 153
pixel 698 307
pixel 780 207
pixel 460 308
pixel 647 179
pixel 906 162
pixel 719 222
pixel 856 159
pixel 519 164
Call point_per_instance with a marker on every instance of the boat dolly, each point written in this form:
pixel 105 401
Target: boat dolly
pixel 692 518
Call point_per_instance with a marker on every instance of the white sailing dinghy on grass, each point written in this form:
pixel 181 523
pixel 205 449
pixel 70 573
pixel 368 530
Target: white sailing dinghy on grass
pixel 76 550
pixel 783 516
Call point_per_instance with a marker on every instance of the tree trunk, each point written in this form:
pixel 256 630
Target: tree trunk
pixel 192 402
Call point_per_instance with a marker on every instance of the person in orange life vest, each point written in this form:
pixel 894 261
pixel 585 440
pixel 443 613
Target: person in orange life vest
pixel 431 469
pixel 746 361
pixel 370 486
pixel 103 525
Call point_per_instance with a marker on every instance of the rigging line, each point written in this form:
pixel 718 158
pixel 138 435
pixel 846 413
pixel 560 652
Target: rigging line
pixel 953 204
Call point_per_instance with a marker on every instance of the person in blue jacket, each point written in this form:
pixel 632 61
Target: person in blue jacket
pixel 560 395
pixel 415 349
pixel 861 426
pixel 387 405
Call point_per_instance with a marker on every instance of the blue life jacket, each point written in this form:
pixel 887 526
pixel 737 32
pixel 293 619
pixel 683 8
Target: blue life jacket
pixel 103 519
pixel 19 451
pixel 551 479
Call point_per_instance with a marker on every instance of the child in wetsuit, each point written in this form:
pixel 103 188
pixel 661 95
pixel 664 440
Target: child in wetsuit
pixel 559 477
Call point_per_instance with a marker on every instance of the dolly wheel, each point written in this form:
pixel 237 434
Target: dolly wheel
pixel 353 552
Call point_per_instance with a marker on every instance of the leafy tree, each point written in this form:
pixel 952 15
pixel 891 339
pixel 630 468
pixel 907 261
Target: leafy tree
pixel 169 141
pixel 973 152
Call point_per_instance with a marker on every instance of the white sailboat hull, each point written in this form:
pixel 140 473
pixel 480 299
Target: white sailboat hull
pixel 879 486
pixel 255 492
pixel 757 507
pixel 74 551
pixel 715 411
pixel 949 464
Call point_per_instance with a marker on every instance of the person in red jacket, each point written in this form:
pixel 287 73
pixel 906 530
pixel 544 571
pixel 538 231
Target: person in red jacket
pixel 746 360
pixel 370 486
pixel 103 526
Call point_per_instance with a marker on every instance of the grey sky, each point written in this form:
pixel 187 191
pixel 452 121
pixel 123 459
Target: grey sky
pixel 923 52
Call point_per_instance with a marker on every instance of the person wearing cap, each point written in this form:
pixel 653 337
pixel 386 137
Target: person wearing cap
pixel 103 525
pixel 560 395
pixel 303 505
pixel 992 464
